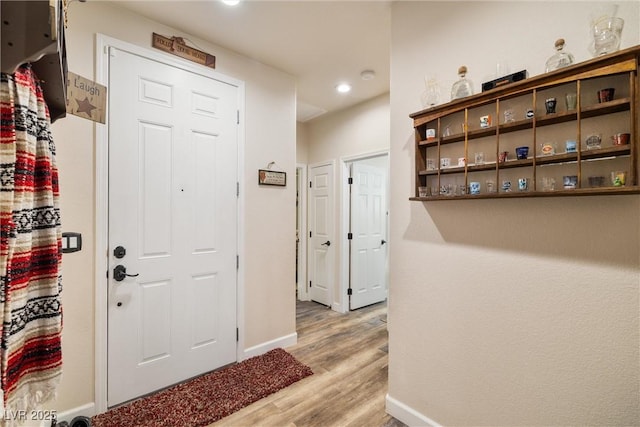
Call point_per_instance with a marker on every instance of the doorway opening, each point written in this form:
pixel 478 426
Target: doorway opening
pixel 302 293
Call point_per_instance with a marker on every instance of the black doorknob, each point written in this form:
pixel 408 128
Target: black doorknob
pixel 327 243
pixel 382 242
pixel 120 272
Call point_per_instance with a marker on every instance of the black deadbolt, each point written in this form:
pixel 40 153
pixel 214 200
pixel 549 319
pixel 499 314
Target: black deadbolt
pixel 119 252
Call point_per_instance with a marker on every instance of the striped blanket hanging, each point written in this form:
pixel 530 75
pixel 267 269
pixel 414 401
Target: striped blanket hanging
pixel 30 247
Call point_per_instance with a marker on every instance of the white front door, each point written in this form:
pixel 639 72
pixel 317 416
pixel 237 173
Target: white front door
pixel 321 246
pixel 173 159
pixel 368 228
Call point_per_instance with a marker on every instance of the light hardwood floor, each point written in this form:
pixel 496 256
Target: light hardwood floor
pixel 348 355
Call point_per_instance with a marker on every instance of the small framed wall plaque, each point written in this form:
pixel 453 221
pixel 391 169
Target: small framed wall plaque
pixel 269 177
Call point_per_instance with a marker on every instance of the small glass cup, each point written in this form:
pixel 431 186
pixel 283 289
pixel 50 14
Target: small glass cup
pixel 548 148
pixel 479 158
pixel 509 115
pixel 570 146
pixel 446 190
pixel 474 187
pixel 596 181
pixel 424 191
pixel 522 152
pixel 550 105
pixel 606 94
pixel 571 100
pixel 490 185
pixel 618 178
pixel 569 182
pixel 594 141
pixel 548 184
pixel 529 113
pixel 523 184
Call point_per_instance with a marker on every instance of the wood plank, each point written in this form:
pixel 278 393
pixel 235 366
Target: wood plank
pixel 348 355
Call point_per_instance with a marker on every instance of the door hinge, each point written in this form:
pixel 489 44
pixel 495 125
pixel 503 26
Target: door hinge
pixel 237 334
pixel 238 116
pixel 350 180
pixel 309 283
pixel 237 262
pixel 310 234
pixel 349 236
pixel 237 189
pixel 310 184
pixel 349 292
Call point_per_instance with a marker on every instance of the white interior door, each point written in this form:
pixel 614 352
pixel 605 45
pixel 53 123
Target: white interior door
pixel 368 228
pixel 173 161
pixel 321 245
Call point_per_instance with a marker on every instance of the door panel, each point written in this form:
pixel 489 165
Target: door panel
pixel 173 206
pixel 155 194
pixel 204 233
pixel 204 323
pixel 155 320
pixel 368 227
pixel 321 217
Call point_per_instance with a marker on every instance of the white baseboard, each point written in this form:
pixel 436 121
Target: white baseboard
pixel 87 410
pixel 339 308
pixel 282 342
pixel 408 415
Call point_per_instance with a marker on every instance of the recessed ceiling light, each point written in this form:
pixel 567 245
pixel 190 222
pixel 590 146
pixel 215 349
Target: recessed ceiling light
pixel 231 2
pixel 368 74
pixel 343 87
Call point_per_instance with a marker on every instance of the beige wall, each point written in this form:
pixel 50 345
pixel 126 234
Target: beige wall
pixel 506 312
pixel 269 223
pixel 361 129
pixel 302 143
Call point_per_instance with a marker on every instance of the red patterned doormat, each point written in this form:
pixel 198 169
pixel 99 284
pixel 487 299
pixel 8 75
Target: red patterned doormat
pixel 213 396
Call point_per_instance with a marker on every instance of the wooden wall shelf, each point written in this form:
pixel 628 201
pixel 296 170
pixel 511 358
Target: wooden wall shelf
pixel 540 175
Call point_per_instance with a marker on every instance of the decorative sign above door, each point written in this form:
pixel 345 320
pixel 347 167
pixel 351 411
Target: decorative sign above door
pixel 177 46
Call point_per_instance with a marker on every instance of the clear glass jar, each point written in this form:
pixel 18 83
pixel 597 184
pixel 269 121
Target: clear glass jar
pixel 560 59
pixel 462 87
pixel 606 35
pixel 431 95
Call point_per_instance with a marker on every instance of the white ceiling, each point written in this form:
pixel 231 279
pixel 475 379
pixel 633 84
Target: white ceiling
pixel 320 42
